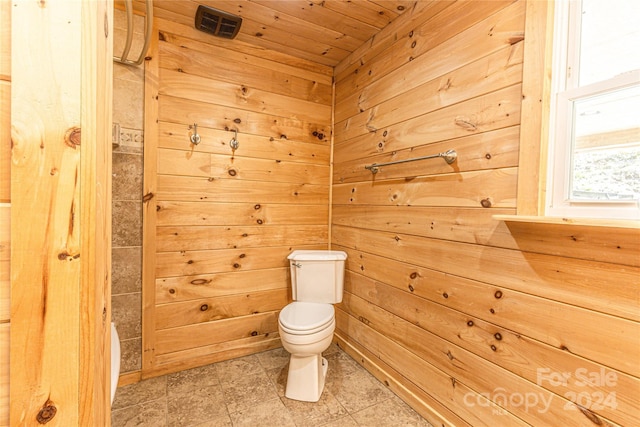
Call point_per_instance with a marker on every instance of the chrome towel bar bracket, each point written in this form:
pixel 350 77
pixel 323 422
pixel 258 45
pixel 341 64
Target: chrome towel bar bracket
pixel 449 156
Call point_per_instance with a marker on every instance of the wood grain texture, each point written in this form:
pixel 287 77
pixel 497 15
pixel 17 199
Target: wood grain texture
pixel 60 208
pixel 220 222
pixel 440 295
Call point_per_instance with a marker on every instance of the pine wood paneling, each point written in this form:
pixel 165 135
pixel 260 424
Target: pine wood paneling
pixel 503 347
pixel 579 282
pixel 206 213
pixel 60 198
pixel 183 288
pixel 228 306
pixel 172 135
pixel 489 188
pixel 487 150
pixel 190 189
pixel 440 296
pixel 5 210
pixel 223 221
pixel 187 263
pixel 396 70
pixel 201 334
pixel 489 112
pixel 496 71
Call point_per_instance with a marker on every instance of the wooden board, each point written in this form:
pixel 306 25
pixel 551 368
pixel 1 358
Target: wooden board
pixel 60 202
pixel 220 222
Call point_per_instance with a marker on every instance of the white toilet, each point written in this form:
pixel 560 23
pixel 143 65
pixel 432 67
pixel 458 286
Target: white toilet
pixel 306 325
pixel 115 360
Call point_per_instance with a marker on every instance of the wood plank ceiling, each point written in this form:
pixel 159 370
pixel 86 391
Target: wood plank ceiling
pixel 321 31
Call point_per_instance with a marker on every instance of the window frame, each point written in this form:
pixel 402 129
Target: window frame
pixel 564 92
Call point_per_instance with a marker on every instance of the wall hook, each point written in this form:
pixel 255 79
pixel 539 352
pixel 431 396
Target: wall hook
pixel 234 143
pixel 195 138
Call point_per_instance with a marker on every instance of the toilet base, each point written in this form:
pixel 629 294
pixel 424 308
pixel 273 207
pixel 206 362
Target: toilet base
pixel 305 380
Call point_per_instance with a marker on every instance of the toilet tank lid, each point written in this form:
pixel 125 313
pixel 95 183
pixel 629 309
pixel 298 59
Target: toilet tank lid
pixel 318 255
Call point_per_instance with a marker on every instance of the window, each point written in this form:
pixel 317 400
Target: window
pixel 594 154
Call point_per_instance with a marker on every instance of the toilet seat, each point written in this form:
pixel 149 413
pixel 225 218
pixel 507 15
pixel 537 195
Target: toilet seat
pixel 306 318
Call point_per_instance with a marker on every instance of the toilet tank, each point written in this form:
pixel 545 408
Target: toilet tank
pixel 317 276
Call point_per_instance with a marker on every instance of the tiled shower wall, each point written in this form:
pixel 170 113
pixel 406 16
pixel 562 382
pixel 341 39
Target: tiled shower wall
pixel 128 119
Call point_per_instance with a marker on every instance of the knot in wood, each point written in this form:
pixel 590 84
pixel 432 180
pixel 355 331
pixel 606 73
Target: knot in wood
pixel 204 307
pixel 486 203
pixel 72 137
pixel 47 412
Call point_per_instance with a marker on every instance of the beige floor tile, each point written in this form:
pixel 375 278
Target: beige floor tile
pixel 389 413
pixel 358 390
pixel 276 358
pixel 247 391
pixel 268 413
pixel 231 370
pixel 186 381
pixel 196 406
pixel 347 421
pixel 140 392
pixel 314 413
pixel 153 413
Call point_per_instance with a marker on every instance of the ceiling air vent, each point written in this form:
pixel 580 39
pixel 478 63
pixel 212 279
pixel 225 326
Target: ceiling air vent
pixel 217 22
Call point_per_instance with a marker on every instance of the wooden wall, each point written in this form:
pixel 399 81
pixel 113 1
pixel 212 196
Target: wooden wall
pixel 5 205
pixel 472 320
pixel 60 212
pixel 219 223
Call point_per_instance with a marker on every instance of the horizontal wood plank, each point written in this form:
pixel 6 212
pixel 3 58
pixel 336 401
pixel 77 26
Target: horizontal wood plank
pixel 421 401
pixel 578 282
pixel 431 378
pixel 178 110
pixel 189 263
pixel 183 288
pixel 192 238
pixel 488 150
pixel 210 309
pixel 199 356
pixel 241 95
pixel 461 365
pixel 250 51
pixel 487 74
pixel 431 53
pixel 479 226
pixel 483 114
pixel 211 213
pixel 190 189
pixel 202 334
pixel 490 188
pixel 516 352
pixel 177 136
pixel 185 163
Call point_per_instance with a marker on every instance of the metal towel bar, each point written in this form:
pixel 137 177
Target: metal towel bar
pixel 449 156
pixel 148 22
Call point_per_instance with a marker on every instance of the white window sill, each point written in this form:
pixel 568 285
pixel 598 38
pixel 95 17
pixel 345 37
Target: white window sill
pixel 592 222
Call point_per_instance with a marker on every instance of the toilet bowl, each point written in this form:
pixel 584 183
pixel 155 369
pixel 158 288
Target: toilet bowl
pixel 115 360
pixel 307 324
pixel 306 330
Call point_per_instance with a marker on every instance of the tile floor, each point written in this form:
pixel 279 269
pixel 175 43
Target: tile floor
pixel 249 391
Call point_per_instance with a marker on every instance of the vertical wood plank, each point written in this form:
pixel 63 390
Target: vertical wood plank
pixel 95 214
pixel 5 207
pixel 60 179
pixel 45 250
pixel 534 128
pixel 149 202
